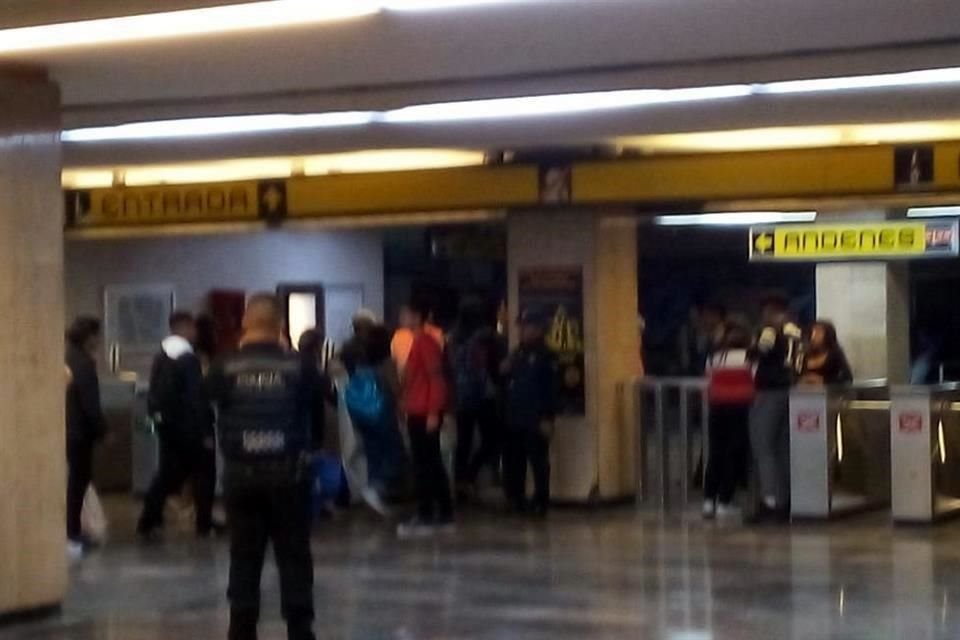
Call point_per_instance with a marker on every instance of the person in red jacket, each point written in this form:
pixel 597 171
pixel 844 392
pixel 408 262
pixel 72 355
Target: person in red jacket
pixel 424 401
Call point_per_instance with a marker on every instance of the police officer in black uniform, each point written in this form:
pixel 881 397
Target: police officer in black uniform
pixel 531 409
pixel 265 397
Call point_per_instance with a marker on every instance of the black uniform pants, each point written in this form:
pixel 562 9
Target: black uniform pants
pixel 180 461
pixel 434 501
pixel 729 451
pixel 527 446
pixel 80 474
pixel 280 516
pixel 484 419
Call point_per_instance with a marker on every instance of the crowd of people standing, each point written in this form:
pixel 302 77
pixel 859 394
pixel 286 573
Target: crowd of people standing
pixel 399 387
pixel 750 377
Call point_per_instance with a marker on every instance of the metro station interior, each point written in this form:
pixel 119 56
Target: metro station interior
pixel 645 171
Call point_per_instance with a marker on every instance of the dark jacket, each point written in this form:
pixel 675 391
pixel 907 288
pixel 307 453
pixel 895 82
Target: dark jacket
pixel 85 421
pixel 265 398
pixel 830 365
pixel 531 387
pixel 778 354
pixel 327 396
pixel 186 417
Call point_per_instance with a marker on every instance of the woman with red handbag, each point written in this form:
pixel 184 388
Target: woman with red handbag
pixel 730 392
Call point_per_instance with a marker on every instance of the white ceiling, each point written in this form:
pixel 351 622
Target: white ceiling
pixel 395 59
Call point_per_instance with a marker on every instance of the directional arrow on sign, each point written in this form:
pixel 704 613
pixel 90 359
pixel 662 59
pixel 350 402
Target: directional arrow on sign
pixel 763 243
pixel 272 200
pixel 272 195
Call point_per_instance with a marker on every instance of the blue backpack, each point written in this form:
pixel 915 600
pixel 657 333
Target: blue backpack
pixel 364 397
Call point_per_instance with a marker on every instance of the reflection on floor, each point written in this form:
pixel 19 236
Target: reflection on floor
pixel 604 574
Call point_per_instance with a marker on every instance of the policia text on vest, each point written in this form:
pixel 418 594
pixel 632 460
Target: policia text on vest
pixel 854 241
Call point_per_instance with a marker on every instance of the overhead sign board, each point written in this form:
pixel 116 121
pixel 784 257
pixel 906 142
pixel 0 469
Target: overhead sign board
pixel 854 241
pixel 213 202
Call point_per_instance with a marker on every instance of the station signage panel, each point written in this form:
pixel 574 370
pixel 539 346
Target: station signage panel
pixel 854 241
pixel 214 202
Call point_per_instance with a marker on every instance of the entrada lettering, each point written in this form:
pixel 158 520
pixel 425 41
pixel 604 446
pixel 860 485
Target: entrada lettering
pixel 177 203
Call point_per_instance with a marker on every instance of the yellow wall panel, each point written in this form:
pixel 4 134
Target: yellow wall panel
pixel 403 191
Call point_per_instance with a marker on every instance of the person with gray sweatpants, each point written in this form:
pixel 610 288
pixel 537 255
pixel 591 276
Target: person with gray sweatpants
pixel 778 355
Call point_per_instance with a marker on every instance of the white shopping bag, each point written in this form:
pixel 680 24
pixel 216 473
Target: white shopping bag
pixel 351 445
pixel 93 520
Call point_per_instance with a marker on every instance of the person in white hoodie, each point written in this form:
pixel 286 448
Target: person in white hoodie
pixel 183 416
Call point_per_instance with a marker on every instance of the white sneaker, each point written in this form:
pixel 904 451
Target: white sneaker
pixel 728 511
pixel 415 529
pixel 372 497
pixel 74 552
pixel 709 509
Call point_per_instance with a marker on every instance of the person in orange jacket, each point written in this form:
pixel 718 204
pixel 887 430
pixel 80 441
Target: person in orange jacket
pixel 424 401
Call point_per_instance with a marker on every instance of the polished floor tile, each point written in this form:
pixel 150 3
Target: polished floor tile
pixel 603 574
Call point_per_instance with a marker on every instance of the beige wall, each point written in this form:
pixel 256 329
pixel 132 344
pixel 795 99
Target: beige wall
pixel 32 473
pixel 870 305
pixel 592 456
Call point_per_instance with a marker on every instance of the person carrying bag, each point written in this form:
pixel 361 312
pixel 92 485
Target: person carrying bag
pixel 730 392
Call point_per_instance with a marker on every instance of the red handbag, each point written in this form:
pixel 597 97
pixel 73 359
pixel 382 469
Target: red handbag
pixel 731 386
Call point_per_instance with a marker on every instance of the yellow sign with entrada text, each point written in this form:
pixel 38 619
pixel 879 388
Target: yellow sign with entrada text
pixel 854 241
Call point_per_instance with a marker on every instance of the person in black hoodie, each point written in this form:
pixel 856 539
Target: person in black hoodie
pixel 531 409
pixel 86 424
pixel 183 414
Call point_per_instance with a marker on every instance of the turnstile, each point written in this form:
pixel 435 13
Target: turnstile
pixel 925 442
pixel 839 449
pixel 672 422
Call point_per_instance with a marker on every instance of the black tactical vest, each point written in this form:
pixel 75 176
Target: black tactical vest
pixel 264 420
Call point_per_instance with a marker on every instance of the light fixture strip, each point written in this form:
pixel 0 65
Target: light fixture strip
pixel 735 218
pixel 497 108
pixel 934 212
pixel 248 16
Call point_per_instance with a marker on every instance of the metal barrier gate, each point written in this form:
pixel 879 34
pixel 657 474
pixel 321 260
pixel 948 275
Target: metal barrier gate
pixel 839 449
pixel 673 422
pixel 925 441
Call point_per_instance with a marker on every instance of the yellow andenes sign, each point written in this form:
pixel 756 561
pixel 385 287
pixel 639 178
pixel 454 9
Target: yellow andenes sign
pixel 854 241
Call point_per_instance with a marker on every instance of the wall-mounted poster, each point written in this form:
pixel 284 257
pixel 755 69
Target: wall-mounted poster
pixel 557 292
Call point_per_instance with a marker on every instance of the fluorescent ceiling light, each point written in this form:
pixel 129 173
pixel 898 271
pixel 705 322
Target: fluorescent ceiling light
pixel 218 126
pixel 86 178
pixel 179 24
pixel 736 218
pixel 266 168
pixel 433 5
pixel 554 105
pixel 391 160
pixel 539 106
pixel 921 78
pixel 803 137
pixel 934 212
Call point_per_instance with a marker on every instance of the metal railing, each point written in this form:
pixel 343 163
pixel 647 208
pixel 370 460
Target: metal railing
pixel 673 414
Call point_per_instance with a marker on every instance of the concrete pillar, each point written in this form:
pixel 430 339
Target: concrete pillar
pixel 870 305
pixel 593 454
pixel 33 572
